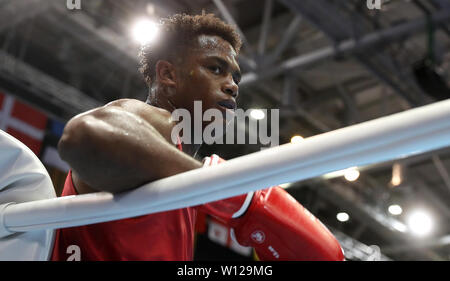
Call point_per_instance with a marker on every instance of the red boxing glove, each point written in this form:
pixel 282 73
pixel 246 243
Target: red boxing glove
pixel 279 228
pixel 276 226
pixel 227 209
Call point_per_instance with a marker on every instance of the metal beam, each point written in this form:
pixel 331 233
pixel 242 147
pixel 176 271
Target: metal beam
pixel 441 169
pixel 418 245
pixel 353 114
pixel 425 8
pixel 413 160
pixel 330 19
pixel 229 19
pixel 288 90
pixel 391 34
pixel 288 36
pixel 248 62
pixel 355 250
pixel 265 26
pixel 389 81
pixel 298 112
pixel 441 4
pixel 325 15
pixel 15 12
pixel 47 88
pixel 106 42
pixel 424 191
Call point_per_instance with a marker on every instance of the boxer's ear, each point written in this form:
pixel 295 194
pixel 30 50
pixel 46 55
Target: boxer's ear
pixel 165 73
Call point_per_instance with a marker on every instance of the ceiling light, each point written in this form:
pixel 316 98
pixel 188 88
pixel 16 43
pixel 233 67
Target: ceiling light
pixel 342 217
pixel 285 185
pixel 351 174
pixel 257 114
pixel 397 174
pixel 144 31
pixel 297 139
pixel 395 210
pixel 420 223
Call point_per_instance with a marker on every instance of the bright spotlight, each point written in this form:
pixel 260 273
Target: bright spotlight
pixel 420 223
pixel 351 174
pixel 342 217
pixel 285 185
pixel 297 139
pixel 144 31
pixel 395 210
pixel 397 174
pixel 257 114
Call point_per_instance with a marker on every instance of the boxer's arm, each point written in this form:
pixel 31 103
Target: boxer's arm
pixel 120 146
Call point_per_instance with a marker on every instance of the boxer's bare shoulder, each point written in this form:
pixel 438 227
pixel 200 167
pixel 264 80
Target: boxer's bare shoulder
pixel 159 118
pixel 107 140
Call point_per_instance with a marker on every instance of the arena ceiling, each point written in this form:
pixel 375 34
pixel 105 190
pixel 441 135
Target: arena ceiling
pixel 294 59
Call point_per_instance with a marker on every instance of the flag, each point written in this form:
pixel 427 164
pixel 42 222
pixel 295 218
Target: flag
pixel 23 122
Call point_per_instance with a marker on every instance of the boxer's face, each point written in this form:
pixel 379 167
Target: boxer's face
pixel 209 73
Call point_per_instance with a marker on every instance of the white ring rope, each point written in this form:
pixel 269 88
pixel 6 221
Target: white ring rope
pixel 403 134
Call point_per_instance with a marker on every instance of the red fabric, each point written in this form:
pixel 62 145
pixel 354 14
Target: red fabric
pixel 165 236
pixel 29 115
pixel 201 223
pixel 20 118
pixel 161 236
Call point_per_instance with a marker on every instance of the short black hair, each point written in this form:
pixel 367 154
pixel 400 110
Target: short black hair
pixel 177 34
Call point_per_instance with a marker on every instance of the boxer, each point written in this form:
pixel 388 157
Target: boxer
pixel 127 143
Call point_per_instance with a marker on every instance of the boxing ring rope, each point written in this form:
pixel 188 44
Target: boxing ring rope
pixel 396 136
